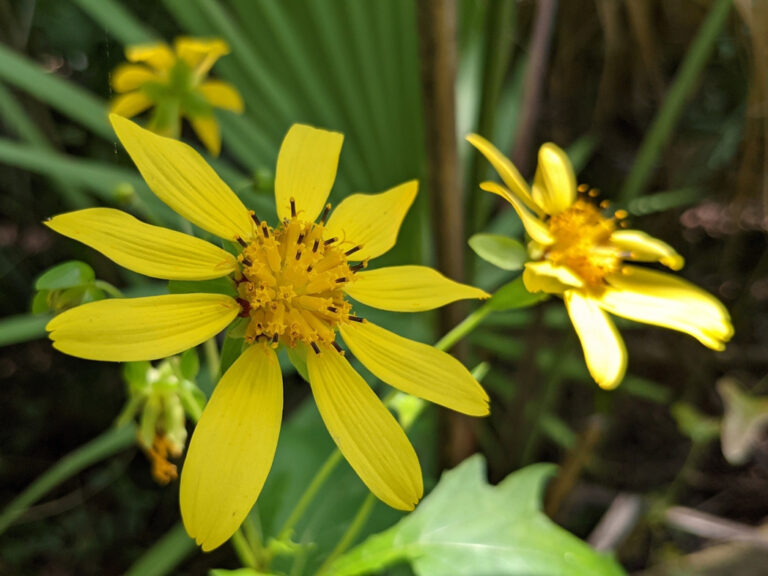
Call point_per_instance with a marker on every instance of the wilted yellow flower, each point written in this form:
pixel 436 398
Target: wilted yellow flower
pixel 579 254
pixel 292 284
pixel 174 84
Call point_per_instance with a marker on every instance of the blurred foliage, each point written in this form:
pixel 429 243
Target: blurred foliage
pixel 354 67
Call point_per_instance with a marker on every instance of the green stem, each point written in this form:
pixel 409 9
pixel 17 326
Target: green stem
pixel 683 86
pixel 309 494
pixel 243 550
pixel 352 532
pixel 462 329
pixel 212 356
pixel 108 288
pixel 103 446
pixel 165 554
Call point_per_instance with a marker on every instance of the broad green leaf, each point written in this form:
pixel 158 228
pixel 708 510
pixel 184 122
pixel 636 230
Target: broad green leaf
pixel 515 295
pixel 501 251
pixel 468 527
pixel 66 275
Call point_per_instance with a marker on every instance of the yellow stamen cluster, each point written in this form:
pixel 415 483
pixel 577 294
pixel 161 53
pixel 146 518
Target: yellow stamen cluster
pixel 291 283
pixel 582 242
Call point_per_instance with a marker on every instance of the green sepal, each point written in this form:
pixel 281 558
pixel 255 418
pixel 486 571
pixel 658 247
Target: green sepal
pixel 298 357
pixel 501 251
pixel 66 275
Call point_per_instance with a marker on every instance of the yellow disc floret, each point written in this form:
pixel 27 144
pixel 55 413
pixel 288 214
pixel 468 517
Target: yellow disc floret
pixel 582 242
pixel 291 285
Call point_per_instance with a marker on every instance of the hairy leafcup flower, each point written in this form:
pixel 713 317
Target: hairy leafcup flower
pixel 291 283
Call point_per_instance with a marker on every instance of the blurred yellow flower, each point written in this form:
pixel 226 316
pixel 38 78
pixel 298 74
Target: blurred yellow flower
pixel 292 284
pixel 174 84
pixel 579 254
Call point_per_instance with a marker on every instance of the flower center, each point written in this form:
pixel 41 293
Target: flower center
pixel 292 283
pixel 582 244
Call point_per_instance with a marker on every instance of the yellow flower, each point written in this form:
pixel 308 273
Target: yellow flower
pixel 174 83
pixel 292 285
pixel 579 254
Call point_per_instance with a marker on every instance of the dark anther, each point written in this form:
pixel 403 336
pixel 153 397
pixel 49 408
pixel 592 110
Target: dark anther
pixel 338 348
pixel 309 268
pixel 300 239
pixel 332 309
pixel 324 217
pixel 358 266
pixel 298 254
pixel 340 280
pixel 256 219
pixel 315 348
pixel 242 242
pixel 355 318
pixel 293 208
pixel 274 338
pixel 264 230
pixel 245 308
pixel 352 250
pixel 315 245
pixel 330 241
pixel 246 262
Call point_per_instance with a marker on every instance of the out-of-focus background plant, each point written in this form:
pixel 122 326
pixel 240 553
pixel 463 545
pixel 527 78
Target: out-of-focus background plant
pixel 661 104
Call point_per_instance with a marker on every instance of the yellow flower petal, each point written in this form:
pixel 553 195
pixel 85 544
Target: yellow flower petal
pixel 603 346
pixel 181 178
pixel 371 221
pixel 366 433
pixel 158 55
pixel 207 129
pixel 408 289
pixel 645 248
pixel 129 104
pixel 127 77
pixel 222 95
pixel 509 174
pixel 543 276
pixel 554 186
pixel 200 54
pixel 149 250
pixel 664 300
pixel 415 368
pixel 129 330
pixel 306 170
pixel 232 448
pixel 534 227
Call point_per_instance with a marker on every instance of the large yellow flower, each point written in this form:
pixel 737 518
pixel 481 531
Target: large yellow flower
pixel 174 83
pixel 292 284
pixel 579 254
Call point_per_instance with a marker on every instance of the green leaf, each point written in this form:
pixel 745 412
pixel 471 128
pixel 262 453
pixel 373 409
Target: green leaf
pixel 190 364
pixel 468 527
pixel 215 286
pixel 501 251
pixel 515 295
pixel 66 275
pixel 230 351
pixel 40 302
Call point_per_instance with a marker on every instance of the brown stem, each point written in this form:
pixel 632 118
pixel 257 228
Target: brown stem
pixel 437 43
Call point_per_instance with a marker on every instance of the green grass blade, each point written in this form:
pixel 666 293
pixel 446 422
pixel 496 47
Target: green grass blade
pixel 103 446
pixel 170 551
pixel 117 21
pixel 685 82
pixel 64 96
pixel 15 116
